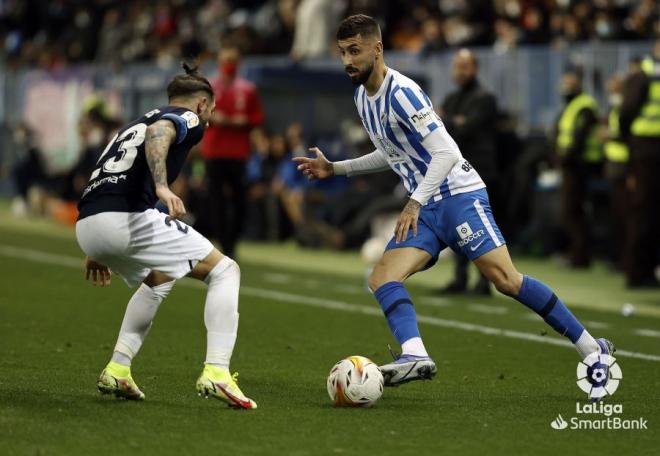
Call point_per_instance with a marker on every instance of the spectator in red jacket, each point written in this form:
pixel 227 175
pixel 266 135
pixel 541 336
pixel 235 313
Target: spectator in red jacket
pixel 226 148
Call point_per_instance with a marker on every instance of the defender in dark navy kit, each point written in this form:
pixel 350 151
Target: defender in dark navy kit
pixel 120 230
pixel 122 181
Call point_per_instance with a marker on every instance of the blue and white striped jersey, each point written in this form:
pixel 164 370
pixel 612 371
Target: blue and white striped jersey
pixel 398 118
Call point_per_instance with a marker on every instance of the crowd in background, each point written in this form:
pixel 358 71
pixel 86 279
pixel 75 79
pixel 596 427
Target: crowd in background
pixel 55 33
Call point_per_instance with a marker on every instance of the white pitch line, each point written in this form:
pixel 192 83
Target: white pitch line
pixel 435 302
pixel 73 262
pixel 596 324
pixel 491 310
pixel 42 257
pixel 277 278
pixel 647 332
pixel 350 289
pixel 310 283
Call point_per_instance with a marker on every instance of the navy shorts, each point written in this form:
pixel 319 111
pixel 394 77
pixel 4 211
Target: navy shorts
pixel 463 222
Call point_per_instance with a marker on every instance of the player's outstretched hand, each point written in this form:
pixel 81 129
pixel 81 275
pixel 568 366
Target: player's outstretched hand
pixel 99 273
pixel 175 206
pixel 407 220
pixel 315 168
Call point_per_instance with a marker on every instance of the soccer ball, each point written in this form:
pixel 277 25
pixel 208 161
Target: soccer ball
pixel 355 382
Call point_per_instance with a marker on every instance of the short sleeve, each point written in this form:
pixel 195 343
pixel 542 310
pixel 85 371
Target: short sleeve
pixel 185 123
pixel 414 111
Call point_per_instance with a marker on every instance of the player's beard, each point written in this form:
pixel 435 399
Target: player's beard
pixel 362 76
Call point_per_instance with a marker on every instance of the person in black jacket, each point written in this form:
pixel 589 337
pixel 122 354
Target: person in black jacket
pixel 640 126
pixel 470 115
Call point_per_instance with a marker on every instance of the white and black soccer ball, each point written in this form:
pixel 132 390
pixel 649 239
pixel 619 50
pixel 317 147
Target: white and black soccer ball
pixel 355 381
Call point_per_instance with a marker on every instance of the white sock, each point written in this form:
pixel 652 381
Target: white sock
pixel 139 315
pixel 414 346
pixel 586 344
pixel 120 358
pixel 221 311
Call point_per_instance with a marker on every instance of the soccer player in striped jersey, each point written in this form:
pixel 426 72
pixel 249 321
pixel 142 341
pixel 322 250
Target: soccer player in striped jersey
pixel 448 205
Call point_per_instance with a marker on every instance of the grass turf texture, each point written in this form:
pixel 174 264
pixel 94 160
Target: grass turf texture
pixel 492 395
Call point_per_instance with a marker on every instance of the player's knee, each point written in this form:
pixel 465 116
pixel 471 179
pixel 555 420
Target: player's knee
pixel 160 290
pixel 374 281
pixel 381 275
pixel 224 269
pixel 507 282
pixel 234 268
pixel 156 279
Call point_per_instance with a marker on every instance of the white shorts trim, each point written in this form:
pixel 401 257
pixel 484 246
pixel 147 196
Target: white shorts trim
pixel 486 222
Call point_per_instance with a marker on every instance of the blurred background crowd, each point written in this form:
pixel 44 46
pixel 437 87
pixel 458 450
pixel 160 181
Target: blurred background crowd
pixel 580 187
pixel 55 33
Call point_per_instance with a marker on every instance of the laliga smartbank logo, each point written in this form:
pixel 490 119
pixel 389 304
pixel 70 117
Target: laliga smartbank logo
pixel 599 376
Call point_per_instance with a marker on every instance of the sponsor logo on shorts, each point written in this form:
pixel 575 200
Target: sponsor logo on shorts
pixel 467 235
pixel 464 230
pixel 475 247
pixel 465 241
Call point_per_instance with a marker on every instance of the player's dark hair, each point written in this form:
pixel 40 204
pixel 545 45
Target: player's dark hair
pixel 358 24
pixel 184 85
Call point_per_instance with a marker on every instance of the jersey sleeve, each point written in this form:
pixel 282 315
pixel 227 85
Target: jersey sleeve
pixel 187 124
pixel 414 111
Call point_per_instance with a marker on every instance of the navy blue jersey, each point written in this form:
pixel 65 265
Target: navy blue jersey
pixel 122 180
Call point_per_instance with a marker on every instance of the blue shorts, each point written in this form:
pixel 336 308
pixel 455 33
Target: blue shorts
pixel 463 222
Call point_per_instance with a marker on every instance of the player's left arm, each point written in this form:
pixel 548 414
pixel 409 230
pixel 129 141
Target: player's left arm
pixel 158 138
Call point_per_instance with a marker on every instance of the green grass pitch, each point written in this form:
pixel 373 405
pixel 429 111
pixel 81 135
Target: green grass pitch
pixel 502 378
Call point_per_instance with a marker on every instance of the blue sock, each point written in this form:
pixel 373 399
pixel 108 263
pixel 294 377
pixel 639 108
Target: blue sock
pixel 541 299
pixel 399 310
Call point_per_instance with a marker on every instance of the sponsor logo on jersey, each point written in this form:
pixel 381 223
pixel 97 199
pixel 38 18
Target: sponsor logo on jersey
pixel 423 118
pixel 105 180
pixel 393 155
pixel 191 119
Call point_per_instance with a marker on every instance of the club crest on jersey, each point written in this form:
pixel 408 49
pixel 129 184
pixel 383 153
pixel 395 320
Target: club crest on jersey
pixel 191 119
pixel 423 118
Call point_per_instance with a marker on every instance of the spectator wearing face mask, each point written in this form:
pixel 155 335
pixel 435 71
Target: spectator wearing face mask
pixel 226 148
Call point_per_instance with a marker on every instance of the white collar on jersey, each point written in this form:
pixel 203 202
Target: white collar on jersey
pixel 382 87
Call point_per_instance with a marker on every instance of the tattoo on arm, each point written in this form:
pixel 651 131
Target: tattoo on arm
pixel 159 137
